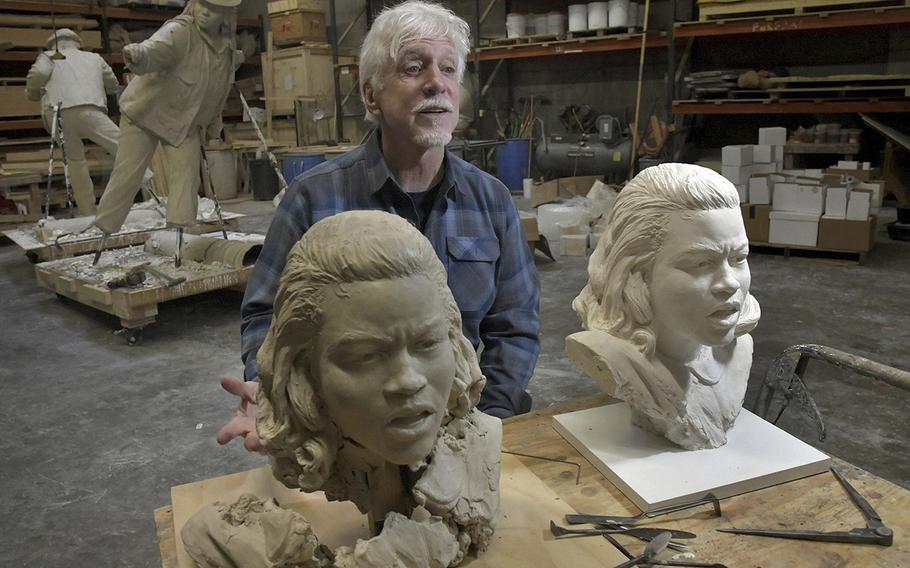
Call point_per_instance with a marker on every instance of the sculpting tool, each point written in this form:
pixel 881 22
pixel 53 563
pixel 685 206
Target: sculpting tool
pixel 655 547
pixel 875 531
pixel 631 520
pixel 100 250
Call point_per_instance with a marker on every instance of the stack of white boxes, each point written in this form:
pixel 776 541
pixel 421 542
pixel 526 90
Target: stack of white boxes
pixel 795 211
pixel 736 166
pixel 748 166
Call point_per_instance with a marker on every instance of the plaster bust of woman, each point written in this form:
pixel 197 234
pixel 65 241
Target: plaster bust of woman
pixel 667 305
pixel 368 388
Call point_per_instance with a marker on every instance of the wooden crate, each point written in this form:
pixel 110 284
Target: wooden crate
pixel 723 9
pixel 278 6
pixel 299 72
pixel 293 28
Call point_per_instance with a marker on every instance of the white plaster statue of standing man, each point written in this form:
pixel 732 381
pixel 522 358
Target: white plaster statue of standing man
pixel 79 82
pixel 184 74
pixel 667 305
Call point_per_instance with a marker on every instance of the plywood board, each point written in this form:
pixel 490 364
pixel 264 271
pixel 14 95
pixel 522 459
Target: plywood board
pixel 36 37
pixel 653 472
pixel 13 101
pixel 522 536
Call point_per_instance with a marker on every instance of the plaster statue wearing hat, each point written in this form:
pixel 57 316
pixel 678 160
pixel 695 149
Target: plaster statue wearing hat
pixel 78 81
pixel 183 74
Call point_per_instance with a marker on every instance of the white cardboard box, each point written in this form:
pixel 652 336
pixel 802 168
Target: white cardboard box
pixel 760 190
pixel 762 154
pixel 738 175
pixel 790 228
pixel 836 203
pixel 743 190
pixel 847 165
pixel 858 205
pixel 777 153
pixel 796 198
pixel 771 168
pixel 776 135
pixel 739 155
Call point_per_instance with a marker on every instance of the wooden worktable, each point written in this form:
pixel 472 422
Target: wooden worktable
pixel 817 503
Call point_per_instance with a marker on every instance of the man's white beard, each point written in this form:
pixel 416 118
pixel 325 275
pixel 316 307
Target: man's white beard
pixel 432 139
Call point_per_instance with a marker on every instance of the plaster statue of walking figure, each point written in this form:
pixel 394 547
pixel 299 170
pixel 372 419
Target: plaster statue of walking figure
pixel 183 74
pixel 79 82
pixel 667 305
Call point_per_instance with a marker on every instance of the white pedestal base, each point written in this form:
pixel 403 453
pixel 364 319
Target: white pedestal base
pixel 653 472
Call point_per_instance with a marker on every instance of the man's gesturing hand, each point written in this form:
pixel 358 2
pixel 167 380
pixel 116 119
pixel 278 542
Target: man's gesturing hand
pixel 243 424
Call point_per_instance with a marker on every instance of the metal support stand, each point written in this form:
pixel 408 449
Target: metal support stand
pixel 178 254
pixel 103 242
pixel 57 139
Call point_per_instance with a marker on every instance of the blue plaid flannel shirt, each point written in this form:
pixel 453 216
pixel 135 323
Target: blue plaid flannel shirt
pixel 475 230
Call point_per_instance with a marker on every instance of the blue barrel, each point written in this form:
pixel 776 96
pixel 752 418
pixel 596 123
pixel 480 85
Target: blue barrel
pixel 512 163
pixel 294 164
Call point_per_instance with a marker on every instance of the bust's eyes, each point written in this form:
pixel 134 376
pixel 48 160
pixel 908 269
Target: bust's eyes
pixel 739 258
pixel 428 344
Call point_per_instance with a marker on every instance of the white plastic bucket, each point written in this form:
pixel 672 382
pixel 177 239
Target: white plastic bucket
pixel 619 13
pixel 578 17
pixel 540 23
pixel 556 23
pixel 598 16
pixel 516 25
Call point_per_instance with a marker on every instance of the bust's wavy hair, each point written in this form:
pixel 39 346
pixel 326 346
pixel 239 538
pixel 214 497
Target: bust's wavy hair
pixel 356 246
pixel 617 299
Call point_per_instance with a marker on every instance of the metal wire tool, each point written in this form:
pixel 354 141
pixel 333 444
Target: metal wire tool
pixel 875 531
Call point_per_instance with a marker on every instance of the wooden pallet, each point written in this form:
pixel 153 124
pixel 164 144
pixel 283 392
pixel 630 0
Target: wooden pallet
pixel 136 307
pixel 38 251
pixel 839 257
pixel 536 38
pixel 721 9
pixel 584 34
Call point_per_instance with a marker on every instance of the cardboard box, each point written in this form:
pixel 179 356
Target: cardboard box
pixel 756 219
pixel 777 153
pixel 738 175
pixel 839 234
pixel 738 155
pixel 790 228
pixel 771 168
pixel 776 135
pixel 573 245
pixel 836 203
pixel 293 28
pixel 561 188
pixel 762 154
pixel 529 225
pixel 760 190
pixel 743 190
pixel 862 175
pixel 799 198
pixel 858 205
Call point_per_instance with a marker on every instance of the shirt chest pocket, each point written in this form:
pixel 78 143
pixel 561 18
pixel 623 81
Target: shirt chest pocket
pixel 472 271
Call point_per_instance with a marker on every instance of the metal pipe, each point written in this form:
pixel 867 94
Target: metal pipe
pixel 333 39
pixel 348 29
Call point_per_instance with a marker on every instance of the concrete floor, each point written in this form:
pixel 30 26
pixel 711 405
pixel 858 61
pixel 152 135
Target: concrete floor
pixel 96 432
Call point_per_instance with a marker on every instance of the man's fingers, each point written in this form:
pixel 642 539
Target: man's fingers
pixel 238 426
pixel 237 387
pixel 252 443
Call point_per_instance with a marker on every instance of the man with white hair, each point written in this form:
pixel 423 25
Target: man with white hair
pixel 79 82
pixel 411 64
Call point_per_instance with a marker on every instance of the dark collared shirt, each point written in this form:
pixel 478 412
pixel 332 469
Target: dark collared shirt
pixel 475 230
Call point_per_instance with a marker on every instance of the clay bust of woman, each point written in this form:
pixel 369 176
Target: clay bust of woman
pixel 667 305
pixel 368 387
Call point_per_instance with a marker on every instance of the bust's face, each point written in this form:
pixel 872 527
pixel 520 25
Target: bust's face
pixel 700 280
pixel 386 365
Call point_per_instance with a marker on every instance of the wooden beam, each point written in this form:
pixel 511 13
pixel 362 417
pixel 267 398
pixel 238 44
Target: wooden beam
pixel 36 37
pixel 787 107
pixel 13 102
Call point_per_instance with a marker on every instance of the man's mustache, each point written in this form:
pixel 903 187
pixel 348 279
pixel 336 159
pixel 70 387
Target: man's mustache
pixel 434 103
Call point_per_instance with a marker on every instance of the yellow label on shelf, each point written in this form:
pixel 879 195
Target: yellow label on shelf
pixel 617 156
